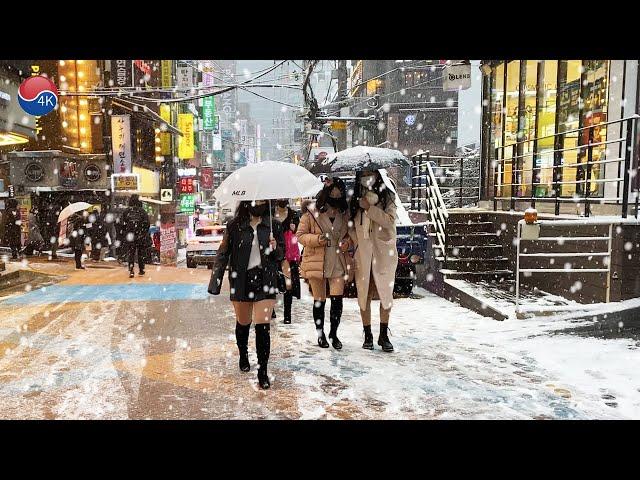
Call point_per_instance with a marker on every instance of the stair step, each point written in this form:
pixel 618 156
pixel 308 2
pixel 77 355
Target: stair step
pixel 474 247
pixel 475 259
pixel 470 223
pixel 473 234
pixel 447 271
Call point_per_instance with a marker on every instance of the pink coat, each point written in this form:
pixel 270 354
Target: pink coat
pixel 291 251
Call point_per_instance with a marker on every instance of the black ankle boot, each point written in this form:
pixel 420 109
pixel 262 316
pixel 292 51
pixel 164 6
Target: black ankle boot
pixel 368 338
pixel 242 340
pixel 288 300
pixel 263 348
pixel 318 317
pixel 334 315
pixel 383 338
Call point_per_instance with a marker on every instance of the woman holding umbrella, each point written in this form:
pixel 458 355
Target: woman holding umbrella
pixel 373 216
pixel 253 247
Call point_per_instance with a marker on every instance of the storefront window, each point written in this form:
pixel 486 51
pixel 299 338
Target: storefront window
pixel 548 83
pixel 594 95
pixel 497 115
pixel 569 119
pixel 511 120
pixel 528 126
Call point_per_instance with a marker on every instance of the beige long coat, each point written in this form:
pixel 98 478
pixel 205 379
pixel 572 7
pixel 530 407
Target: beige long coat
pixel 374 234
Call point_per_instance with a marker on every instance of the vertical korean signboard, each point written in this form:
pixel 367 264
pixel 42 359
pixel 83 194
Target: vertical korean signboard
pixel 121 143
pixel 122 73
pixel 217 135
pixel 208 114
pixel 165 70
pixel 186 147
pixel 208 103
pixel 206 177
pixel 165 137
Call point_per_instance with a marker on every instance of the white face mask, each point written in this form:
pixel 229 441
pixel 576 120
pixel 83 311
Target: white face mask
pixel 368 181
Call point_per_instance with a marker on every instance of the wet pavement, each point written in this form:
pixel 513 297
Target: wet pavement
pixel 101 345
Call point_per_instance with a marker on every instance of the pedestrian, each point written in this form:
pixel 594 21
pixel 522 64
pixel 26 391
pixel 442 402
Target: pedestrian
pixel 35 240
pixel 52 228
pixel 373 231
pixel 136 227
pixel 12 227
pixel 97 234
pixel 78 238
pixel 290 220
pixel 323 231
pixel 253 247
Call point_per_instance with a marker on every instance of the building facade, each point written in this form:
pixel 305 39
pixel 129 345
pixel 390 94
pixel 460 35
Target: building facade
pixel 413 111
pixel 539 117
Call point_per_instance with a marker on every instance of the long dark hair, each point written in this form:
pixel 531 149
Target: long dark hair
pixel 243 215
pixel 384 193
pixel 336 182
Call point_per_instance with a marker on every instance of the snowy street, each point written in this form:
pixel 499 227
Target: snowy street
pixel 100 346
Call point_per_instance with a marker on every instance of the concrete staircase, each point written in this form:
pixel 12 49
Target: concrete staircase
pixel 474 250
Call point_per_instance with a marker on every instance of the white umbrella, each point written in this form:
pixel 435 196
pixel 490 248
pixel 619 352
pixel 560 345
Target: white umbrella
pixel 268 181
pixel 71 209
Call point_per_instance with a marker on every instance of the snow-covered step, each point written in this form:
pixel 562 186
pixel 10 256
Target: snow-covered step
pixel 477 275
pixel 472 260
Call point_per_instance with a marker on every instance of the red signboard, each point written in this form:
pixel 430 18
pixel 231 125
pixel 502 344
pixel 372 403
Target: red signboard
pixel 186 185
pixel 206 177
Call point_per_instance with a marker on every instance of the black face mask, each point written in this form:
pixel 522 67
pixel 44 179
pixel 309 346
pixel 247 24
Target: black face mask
pixel 258 210
pixel 283 203
pixel 335 202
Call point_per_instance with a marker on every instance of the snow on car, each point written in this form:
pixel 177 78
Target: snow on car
pixel 203 248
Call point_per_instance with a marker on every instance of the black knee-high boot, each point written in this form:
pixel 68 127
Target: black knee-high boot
pixel 242 340
pixel 263 348
pixel 334 315
pixel 318 318
pixel 288 300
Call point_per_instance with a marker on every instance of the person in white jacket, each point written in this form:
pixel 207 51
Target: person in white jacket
pixel 373 231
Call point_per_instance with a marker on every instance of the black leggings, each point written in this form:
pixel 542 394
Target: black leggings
pixel 77 254
pixel 133 247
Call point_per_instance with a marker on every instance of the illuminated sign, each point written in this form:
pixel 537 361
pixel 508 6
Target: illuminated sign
pixel 127 182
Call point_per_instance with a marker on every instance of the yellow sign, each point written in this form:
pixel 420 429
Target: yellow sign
pixel 338 125
pixel 165 137
pixel 124 182
pixel 185 142
pixel 165 67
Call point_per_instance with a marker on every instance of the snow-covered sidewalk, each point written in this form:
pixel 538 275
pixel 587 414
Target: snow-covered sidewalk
pixel 452 363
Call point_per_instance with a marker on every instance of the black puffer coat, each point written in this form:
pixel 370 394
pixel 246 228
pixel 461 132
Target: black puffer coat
pixel 235 251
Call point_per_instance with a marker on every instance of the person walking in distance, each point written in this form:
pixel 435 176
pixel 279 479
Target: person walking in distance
pixel 290 220
pixel 35 240
pixel 323 231
pixel 12 227
pixel 373 231
pixel 78 238
pixel 253 248
pixel 136 227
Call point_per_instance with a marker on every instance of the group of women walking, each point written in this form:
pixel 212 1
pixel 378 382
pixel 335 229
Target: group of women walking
pixel 343 240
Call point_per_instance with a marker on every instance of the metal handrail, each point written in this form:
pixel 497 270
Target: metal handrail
pixel 583 172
